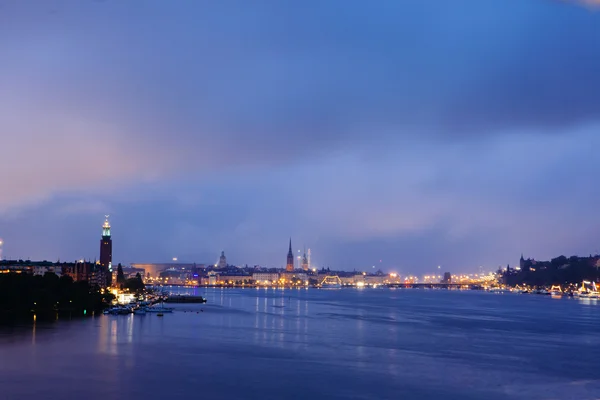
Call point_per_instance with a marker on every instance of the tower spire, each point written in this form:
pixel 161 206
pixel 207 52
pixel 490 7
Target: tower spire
pixel 106 227
pixel 290 258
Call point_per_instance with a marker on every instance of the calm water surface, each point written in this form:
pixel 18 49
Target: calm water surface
pixel 316 344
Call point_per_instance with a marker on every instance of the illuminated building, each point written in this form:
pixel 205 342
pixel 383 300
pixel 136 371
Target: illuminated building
pixel 265 278
pixel 106 252
pixel 290 259
pixel 222 261
pixel 80 271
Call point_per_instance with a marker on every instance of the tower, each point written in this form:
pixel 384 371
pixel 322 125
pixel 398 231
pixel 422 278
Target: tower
pixel 290 259
pixel 308 259
pixel 222 261
pixel 106 252
pixel 522 262
pixel 304 261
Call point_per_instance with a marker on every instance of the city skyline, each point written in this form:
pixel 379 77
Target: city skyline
pixel 397 135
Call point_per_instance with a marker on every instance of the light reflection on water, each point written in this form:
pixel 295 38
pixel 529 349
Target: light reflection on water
pixel 273 344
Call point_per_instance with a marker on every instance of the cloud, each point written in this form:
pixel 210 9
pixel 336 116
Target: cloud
pixel 369 121
pixel 589 3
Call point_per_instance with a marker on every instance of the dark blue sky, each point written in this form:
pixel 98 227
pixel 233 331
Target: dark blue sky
pixel 418 133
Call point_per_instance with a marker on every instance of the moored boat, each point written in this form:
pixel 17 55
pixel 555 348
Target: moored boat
pixel 159 310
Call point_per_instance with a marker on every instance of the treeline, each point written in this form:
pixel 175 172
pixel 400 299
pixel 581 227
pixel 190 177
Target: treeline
pixel 24 294
pixel 134 285
pixel 559 271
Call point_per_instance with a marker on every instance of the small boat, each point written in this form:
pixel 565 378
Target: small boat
pixel 159 310
pixel 160 314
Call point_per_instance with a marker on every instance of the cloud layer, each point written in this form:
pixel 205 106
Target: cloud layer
pixel 347 125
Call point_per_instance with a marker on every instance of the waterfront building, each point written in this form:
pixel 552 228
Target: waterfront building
pixel 42 270
pixel 222 261
pixel 231 279
pixel 106 252
pixel 213 278
pixel 347 280
pixel 374 279
pixel 290 259
pixel 265 278
pixel 153 270
pixel 303 276
pixel 80 271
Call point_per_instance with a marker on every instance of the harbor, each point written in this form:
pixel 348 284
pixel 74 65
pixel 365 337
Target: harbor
pixel 151 302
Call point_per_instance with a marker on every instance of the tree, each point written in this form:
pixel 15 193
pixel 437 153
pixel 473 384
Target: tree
pixel 22 295
pixel 120 275
pixel 135 284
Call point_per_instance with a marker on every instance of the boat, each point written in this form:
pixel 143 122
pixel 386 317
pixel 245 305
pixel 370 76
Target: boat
pixel 160 314
pixel 185 299
pixel 589 292
pixel 556 291
pixel 159 310
pixel 331 286
pixel 331 282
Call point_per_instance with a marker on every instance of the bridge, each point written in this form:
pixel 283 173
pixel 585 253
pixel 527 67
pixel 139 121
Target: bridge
pixel 434 286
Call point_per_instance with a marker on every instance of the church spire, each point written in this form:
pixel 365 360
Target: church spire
pixel 290 258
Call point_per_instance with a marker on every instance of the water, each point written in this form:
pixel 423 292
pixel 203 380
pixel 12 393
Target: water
pixel 316 344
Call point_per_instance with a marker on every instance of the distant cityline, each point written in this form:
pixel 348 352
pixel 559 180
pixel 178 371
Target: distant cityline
pixel 103 267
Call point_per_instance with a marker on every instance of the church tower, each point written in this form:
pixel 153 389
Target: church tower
pixel 222 261
pixel 290 259
pixel 304 261
pixel 106 252
pixel 522 262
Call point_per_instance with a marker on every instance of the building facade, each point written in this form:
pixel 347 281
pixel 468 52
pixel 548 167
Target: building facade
pixel 265 278
pixel 106 252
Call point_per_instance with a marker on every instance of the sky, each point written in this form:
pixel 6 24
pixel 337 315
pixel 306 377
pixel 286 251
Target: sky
pixel 401 135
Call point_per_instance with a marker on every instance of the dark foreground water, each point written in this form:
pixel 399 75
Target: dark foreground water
pixel 316 344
